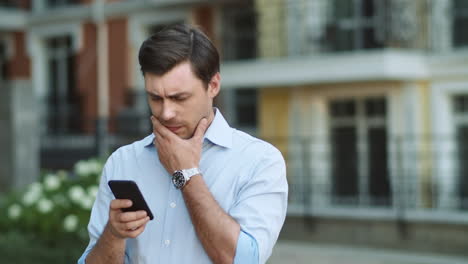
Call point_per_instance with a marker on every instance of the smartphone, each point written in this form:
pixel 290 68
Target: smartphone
pixel 129 190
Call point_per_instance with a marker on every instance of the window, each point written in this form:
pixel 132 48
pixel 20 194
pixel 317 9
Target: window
pixel 63 101
pixel 358 138
pixel 461 128
pixel 239 106
pixel 3 68
pixel 60 3
pixel 9 3
pixel 239 32
pixel 355 25
pixel 246 107
pixel 460 23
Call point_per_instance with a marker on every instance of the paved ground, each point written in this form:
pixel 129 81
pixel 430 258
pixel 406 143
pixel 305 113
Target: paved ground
pixel 288 252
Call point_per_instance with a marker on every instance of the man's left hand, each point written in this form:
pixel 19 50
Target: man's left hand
pixel 176 153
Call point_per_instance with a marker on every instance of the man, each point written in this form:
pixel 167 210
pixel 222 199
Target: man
pixel 217 194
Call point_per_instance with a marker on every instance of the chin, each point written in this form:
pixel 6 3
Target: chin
pixel 184 135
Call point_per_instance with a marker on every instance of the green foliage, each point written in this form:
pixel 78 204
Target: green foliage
pixel 47 220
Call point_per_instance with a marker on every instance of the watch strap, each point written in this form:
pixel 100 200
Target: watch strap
pixel 188 173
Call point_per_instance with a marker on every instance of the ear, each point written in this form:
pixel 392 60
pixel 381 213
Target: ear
pixel 214 85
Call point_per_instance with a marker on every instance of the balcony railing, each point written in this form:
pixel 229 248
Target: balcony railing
pixel 297 28
pixel 420 176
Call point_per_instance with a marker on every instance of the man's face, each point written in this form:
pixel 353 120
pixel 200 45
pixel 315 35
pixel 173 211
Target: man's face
pixel 179 100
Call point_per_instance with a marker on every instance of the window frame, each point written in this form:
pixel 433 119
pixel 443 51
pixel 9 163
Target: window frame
pixel 355 25
pixel 458 13
pixel 59 109
pixel 460 122
pixel 233 35
pixel 3 61
pixel 363 124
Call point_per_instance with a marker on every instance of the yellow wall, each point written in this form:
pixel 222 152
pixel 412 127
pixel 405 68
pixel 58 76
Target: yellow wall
pixel 425 147
pixel 271 28
pixel 276 104
pixel 274 117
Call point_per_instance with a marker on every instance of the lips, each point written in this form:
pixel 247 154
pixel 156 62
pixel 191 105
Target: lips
pixel 173 128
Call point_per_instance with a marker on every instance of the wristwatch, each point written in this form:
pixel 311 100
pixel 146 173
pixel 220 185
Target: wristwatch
pixel 181 177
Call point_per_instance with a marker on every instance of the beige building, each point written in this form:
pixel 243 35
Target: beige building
pixel 367 100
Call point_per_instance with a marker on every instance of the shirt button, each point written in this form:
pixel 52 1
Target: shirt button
pixel 167 242
pixel 173 205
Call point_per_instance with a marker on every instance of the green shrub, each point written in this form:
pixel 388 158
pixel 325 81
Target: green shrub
pixel 47 221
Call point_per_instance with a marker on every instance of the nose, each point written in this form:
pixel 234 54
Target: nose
pixel 168 111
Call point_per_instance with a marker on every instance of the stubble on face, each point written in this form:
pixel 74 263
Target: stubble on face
pixel 179 116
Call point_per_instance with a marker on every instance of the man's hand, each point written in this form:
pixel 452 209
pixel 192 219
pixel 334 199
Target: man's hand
pixel 176 153
pixel 126 224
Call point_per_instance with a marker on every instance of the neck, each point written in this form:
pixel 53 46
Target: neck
pixel 211 116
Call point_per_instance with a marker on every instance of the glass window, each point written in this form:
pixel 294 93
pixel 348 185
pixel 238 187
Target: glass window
pixel 9 3
pixel 343 108
pixel 462 143
pixel 60 3
pixel 246 107
pixel 3 68
pixel 460 105
pixel 239 32
pixel 355 25
pixel 375 107
pixel 344 159
pixel 63 101
pixel 359 174
pixel 460 23
pixel 239 107
pixel 379 184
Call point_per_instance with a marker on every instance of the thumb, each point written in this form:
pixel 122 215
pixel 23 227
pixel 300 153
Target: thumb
pixel 201 129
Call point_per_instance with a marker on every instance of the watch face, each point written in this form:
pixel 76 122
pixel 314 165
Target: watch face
pixel 178 179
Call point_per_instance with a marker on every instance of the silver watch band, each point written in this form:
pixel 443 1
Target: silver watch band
pixel 191 172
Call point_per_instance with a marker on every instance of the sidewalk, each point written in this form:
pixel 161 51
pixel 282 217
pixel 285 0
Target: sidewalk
pixel 302 252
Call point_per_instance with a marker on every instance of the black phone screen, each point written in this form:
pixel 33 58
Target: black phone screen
pixel 124 189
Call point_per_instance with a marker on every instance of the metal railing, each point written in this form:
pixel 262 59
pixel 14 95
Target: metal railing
pixel 425 176
pixel 296 27
pixel 420 177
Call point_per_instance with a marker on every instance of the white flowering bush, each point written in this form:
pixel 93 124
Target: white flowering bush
pixel 57 207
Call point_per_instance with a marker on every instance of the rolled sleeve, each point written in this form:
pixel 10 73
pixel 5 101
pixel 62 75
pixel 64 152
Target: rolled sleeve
pixel 82 259
pixel 261 206
pixel 247 249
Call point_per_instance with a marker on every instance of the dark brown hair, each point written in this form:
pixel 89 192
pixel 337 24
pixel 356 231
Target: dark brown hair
pixel 176 44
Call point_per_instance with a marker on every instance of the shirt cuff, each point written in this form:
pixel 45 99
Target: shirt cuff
pixel 82 259
pixel 247 249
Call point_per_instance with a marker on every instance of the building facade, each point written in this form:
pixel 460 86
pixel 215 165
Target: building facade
pixel 79 58
pixel 367 100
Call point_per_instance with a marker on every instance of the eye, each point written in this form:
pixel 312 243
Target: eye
pixel 155 98
pixel 180 98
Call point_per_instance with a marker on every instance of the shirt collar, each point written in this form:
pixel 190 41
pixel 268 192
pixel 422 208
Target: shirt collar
pixel 219 132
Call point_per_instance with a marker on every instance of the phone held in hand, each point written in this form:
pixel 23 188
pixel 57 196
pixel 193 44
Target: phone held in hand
pixel 125 189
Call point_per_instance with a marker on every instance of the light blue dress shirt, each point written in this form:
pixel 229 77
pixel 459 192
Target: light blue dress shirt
pixel 246 176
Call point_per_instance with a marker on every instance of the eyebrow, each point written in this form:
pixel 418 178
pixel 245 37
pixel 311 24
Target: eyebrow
pixel 169 96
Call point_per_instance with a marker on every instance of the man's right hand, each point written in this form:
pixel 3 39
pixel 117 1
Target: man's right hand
pixel 126 224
